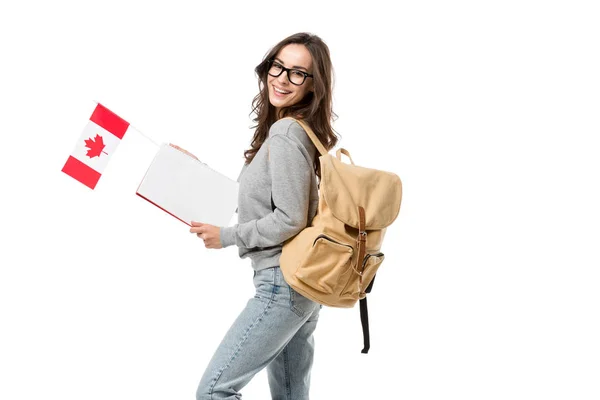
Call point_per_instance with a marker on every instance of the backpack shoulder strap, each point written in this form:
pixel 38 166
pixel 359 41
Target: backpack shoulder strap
pixel 311 135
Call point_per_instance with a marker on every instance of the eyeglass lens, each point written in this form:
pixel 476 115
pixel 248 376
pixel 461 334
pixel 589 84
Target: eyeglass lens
pixel 295 76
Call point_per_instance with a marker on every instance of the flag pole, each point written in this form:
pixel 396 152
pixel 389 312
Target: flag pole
pixel 138 131
pixel 147 137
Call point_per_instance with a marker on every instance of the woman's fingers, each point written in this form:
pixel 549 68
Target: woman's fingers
pixel 197 227
pixel 183 150
pixel 210 234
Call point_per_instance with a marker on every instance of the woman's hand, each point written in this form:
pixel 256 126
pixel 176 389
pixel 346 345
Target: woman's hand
pixel 209 233
pixel 184 150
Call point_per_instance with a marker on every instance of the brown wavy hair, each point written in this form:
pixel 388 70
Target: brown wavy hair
pixel 315 108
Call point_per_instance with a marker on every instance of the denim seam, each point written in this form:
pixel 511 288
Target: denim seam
pixel 244 338
pixel 286 369
pixel 297 310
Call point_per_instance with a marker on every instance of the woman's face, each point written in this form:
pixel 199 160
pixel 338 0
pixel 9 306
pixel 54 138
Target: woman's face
pixel 283 93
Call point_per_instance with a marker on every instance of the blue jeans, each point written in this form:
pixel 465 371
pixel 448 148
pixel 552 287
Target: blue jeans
pixel 275 330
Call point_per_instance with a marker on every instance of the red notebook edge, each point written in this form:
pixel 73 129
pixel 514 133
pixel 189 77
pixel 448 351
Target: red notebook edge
pixel 170 213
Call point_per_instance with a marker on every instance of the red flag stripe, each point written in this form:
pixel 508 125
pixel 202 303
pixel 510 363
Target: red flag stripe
pixel 80 171
pixel 109 121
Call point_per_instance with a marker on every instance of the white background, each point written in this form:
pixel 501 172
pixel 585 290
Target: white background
pixel 488 111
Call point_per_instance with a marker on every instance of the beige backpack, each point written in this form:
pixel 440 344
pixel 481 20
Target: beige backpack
pixel 333 261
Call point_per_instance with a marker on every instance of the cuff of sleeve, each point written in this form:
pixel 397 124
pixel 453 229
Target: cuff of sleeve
pixel 227 235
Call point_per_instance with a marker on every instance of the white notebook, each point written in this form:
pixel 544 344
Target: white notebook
pixel 189 189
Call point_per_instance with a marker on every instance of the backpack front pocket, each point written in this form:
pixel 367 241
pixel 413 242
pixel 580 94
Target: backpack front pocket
pixel 363 275
pixel 327 260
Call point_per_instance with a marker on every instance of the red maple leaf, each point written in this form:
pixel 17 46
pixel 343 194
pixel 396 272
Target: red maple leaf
pixel 95 145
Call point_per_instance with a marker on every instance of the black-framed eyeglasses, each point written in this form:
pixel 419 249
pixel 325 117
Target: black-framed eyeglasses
pixel 295 76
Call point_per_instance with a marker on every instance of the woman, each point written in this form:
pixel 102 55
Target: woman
pixel 278 198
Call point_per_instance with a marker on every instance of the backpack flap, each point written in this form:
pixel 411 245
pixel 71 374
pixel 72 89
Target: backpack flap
pixel 347 186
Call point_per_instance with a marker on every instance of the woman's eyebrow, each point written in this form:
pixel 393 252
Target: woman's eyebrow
pixel 295 66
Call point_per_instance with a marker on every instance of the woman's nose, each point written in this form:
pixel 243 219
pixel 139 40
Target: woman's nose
pixel 283 78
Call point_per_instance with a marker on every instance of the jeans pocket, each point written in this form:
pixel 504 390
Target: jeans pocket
pixel 301 305
pixel 264 282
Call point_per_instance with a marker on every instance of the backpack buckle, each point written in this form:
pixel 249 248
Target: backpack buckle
pixel 362 236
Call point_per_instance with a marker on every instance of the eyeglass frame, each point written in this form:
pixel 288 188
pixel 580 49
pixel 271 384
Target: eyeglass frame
pixel 284 69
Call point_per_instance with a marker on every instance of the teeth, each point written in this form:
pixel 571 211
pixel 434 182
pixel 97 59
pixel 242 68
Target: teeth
pixel 280 91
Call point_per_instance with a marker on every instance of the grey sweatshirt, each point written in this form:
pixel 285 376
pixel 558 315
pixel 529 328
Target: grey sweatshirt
pixel 282 168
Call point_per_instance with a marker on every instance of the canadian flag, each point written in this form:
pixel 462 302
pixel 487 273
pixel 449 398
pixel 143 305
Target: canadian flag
pixel 97 143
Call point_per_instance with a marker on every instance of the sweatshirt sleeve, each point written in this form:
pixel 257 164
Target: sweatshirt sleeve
pixel 238 179
pixel 290 188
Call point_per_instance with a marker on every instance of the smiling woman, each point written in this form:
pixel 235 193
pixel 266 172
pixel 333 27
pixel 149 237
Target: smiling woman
pixel 288 89
pixel 277 198
pixel 296 80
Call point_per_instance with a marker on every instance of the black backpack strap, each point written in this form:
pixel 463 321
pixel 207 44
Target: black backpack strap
pixel 364 319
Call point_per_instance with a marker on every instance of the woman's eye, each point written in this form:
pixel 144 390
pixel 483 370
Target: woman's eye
pixel 297 73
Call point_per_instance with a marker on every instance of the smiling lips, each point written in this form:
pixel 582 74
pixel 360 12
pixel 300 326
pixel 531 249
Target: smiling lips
pixel 280 92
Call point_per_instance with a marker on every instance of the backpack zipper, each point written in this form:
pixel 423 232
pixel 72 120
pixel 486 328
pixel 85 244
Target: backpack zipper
pixel 367 258
pixel 331 240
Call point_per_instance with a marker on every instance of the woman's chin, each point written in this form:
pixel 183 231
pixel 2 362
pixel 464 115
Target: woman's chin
pixel 277 104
